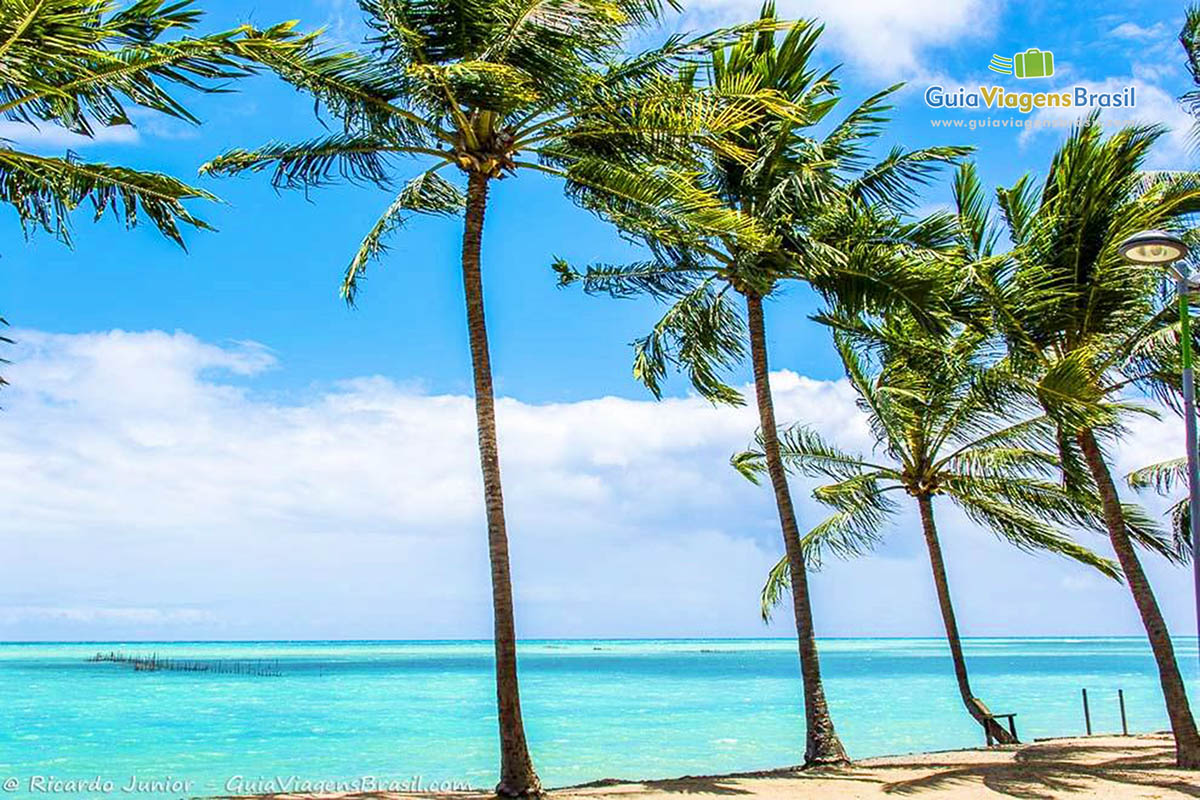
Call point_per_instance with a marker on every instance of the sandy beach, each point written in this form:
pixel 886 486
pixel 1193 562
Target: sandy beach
pixel 1113 767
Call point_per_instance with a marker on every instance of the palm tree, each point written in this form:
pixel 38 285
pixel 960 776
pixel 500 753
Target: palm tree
pixel 492 89
pixel 944 426
pixel 77 65
pixel 1090 328
pixel 815 211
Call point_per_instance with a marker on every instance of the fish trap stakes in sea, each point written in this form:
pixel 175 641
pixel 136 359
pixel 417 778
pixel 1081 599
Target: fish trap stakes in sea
pixel 155 663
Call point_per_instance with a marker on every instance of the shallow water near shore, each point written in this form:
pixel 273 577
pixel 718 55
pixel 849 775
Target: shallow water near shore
pixel 423 712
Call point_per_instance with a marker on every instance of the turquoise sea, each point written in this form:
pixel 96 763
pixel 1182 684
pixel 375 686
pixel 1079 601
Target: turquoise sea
pixel 398 711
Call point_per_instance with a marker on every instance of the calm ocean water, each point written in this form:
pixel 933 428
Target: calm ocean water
pixel 594 709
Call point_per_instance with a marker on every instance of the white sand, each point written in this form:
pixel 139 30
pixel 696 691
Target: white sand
pixel 1114 767
pixel 1107 767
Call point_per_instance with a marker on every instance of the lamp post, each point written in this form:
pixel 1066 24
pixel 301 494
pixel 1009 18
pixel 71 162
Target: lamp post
pixel 1164 249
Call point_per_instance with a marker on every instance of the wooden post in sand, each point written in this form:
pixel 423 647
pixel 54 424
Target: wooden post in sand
pixel 1121 701
pixel 1087 714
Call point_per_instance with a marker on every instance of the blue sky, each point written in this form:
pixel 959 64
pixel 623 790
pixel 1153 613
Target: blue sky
pixel 199 475
pixel 270 274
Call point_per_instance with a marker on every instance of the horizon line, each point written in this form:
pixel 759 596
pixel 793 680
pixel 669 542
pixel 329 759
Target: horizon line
pixel 1044 637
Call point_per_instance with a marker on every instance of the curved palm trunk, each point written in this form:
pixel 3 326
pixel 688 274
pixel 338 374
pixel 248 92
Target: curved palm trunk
pixel 1183 725
pixel 517 776
pixel 822 745
pixel 996 731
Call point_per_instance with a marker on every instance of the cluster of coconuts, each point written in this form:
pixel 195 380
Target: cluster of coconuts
pixel 493 162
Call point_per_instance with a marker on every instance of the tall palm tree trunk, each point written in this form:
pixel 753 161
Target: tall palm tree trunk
pixel 1183 725
pixel 517 776
pixel 822 745
pixel 996 731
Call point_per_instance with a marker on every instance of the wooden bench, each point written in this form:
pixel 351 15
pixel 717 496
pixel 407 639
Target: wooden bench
pixel 987 714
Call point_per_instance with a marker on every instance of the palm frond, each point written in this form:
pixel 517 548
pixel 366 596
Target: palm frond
pixel 1069 392
pixel 662 282
pixel 360 91
pixel 79 65
pixel 703 334
pixel 1026 532
pixel 1018 205
pixel 1162 477
pixel 428 193
pixel 850 140
pixel 805 452
pixel 357 159
pixel 44 191
pixel 73 62
pixel 863 505
pixel 999 460
pixel 664 205
pixel 1180 515
pixel 1173 545
pixel 979 233
pixel 896 180
pixel 854 530
pixel 1189 38
pixel 778 584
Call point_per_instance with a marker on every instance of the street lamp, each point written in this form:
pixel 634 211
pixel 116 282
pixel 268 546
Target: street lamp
pixel 1165 249
pixel 1154 247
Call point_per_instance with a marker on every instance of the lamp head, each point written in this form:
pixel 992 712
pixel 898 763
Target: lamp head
pixel 1153 247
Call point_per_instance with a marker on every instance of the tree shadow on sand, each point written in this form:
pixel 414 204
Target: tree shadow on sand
pixel 688 784
pixel 724 784
pixel 1047 770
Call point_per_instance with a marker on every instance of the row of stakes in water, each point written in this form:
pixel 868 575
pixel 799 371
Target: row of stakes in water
pixel 153 663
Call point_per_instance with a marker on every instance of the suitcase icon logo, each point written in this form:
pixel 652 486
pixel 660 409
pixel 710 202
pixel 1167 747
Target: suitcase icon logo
pixel 1033 63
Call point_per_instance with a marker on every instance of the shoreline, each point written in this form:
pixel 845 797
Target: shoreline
pixel 1136 767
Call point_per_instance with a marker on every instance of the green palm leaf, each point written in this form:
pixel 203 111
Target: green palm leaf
pixel 428 193
pixel 941 411
pixel 1162 477
pixel 78 64
pixel 1028 533
pixel 357 159
pixel 45 190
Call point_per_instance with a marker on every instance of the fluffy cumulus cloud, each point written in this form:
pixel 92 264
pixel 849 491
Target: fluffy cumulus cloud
pixel 153 492
pixel 889 38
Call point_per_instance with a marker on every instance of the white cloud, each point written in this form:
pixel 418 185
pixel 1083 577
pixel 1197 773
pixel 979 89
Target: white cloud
pixel 1131 30
pixel 345 23
pixel 151 491
pixel 146 123
pixel 1149 441
pixel 891 38
pixel 11 615
pixel 53 136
